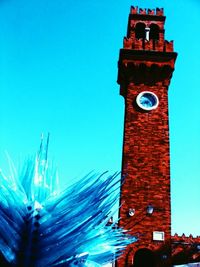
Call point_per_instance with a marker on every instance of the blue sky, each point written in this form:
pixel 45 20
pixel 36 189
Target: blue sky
pixel 58 71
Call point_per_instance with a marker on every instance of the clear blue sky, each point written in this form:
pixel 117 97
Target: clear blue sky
pixel 58 71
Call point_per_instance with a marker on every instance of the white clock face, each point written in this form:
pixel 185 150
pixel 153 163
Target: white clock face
pixel 147 100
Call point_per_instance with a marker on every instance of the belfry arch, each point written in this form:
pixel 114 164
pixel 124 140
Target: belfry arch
pixel 140 30
pixel 154 32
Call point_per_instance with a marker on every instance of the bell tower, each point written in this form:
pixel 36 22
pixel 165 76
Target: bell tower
pixel 145 68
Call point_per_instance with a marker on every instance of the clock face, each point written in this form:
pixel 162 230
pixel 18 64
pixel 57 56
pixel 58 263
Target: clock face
pixel 147 100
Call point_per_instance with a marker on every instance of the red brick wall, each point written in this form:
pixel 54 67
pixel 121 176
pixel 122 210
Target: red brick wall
pixel 146 168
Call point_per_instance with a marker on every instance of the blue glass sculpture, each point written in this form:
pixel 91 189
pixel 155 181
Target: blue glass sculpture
pixel 42 226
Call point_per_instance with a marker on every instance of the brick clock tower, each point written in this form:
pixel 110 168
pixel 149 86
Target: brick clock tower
pixel 146 64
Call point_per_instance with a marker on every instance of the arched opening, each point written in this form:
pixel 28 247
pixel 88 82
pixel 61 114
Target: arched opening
pixel 144 258
pixel 140 31
pixel 154 32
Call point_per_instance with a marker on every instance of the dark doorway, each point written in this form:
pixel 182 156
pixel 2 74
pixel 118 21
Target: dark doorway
pixel 144 258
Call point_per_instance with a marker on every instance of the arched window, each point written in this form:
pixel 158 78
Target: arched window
pixel 154 32
pixel 140 31
pixel 144 258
